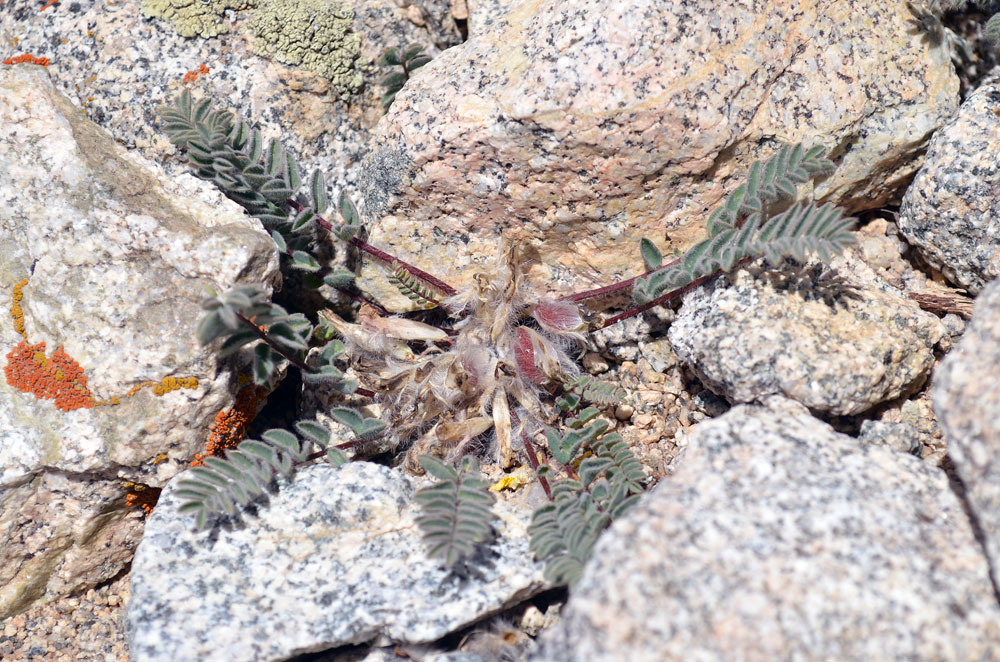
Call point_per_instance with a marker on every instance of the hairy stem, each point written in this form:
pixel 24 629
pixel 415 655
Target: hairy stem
pixel 632 312
pixel 615 287
pixel 533 461
pixel 298 363
pixel 364 246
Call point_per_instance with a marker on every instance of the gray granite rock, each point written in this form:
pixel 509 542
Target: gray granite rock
pixel 119 66
pixel 585 125
pixel 834 344
pixel 114 257
pixel 335 559
pixel 778 539
pixel 966 391
pixel 951 212
pixel 487 15
pixel 902 437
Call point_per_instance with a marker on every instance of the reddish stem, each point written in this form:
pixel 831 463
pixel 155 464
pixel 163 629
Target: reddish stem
pixel 632 312
pixel 363 245
pixel 533 461
pixel 273 345
pixel 614 287
pixel 301 365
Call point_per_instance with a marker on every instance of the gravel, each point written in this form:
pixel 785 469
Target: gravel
pixel 87 627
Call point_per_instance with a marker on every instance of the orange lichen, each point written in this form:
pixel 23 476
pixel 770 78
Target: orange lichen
pixel 57 377
pixel 15 307
pixel 26 57
pixel 142 496
pixel 192 75
pixel 231 425
pixel 51 3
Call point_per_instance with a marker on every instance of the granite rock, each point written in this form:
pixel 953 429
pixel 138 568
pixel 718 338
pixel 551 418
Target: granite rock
pixel 334 559
pixel 835 343
pixel 120 66
pixel 487 15
pixel 966 392
pixel 587 125
pixel 779 539
pixel 109 258
pixel 951 212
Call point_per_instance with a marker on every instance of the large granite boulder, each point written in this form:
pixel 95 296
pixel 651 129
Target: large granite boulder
pixel 334 558
pixel 777 538
pixel 966 392
pixel 587 125
pixel 103 265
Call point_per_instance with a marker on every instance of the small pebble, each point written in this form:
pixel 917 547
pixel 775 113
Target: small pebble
pixel 624 412
pixel 594 363
pixel 643 421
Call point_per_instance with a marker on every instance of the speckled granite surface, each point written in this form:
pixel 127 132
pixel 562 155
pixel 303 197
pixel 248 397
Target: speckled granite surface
pixel 836 346
pixel 967 401
pixel 589 124
pixel 115 256
pixel 779 539
pixel 335 559
pixel 119 66
pixel 951 212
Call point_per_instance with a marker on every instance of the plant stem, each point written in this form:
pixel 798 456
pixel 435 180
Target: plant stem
pixel 533 461
pixel 632 312
pixel 363 245
pixel 614 287
pixel 301 365
pixel 274 345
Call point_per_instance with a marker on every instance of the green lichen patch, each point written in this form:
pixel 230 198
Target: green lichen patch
pixel 312 34
pixel 194 18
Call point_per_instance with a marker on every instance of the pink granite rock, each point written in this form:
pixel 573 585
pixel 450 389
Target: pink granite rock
pixel 590 124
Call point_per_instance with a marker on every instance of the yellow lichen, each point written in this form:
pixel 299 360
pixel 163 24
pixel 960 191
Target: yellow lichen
pixel 514 480
pixel 59 377
pixel 168 384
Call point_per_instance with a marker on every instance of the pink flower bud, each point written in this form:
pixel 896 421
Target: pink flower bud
pixel 558 316
pixel 524 355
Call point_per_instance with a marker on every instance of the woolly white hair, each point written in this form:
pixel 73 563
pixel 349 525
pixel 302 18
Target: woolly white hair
pixel 480 392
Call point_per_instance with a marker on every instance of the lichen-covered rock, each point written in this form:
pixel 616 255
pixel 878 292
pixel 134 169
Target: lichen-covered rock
pixel 335 558
pixel 105 261
pixel 194 18
pixel 120 67
pixel 777 538
pixel 966 391
pixel 588 124
pixel 313 34
pixel 834 345
pixel 951 212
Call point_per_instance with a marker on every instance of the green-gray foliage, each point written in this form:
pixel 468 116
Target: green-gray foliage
pixel 412 288
pixel 263 180
pixel 743 227
pixel 603 477
pixel 408 60
pixel 245 473
pixel 607 483
pixel 455 516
